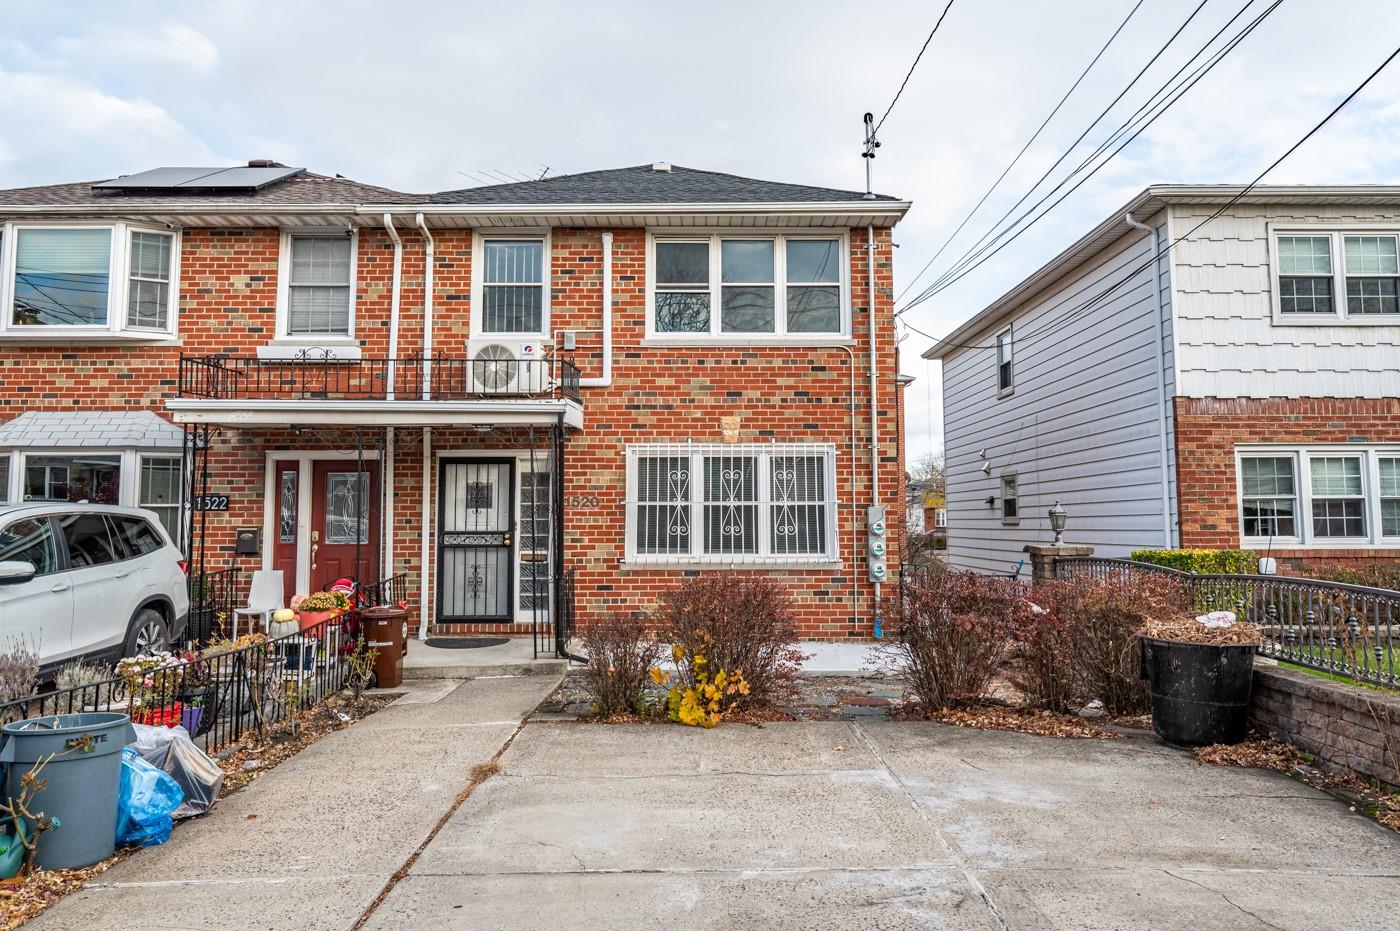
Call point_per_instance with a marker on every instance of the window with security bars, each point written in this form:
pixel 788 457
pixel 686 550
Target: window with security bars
pixel 512 286
pixel 319 286
pixel 731 504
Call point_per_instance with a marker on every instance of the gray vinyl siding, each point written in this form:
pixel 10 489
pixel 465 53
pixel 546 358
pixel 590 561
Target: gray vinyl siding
pixel 1081 426
pixel 1228 343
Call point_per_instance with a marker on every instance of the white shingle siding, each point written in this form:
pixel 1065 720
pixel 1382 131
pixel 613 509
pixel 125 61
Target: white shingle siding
pixel 1081 426
pixel 1227 341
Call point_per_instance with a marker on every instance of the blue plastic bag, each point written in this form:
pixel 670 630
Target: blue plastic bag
pixel 144 802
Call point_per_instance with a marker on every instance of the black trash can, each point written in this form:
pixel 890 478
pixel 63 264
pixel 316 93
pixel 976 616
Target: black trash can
pixel 1200 692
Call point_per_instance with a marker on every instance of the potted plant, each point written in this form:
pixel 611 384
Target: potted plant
pixel 1202 673
pixel 319 607
pixel 152 681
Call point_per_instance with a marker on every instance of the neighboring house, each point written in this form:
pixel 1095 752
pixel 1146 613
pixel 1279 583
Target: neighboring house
pixel 526 398
pixel 1241 390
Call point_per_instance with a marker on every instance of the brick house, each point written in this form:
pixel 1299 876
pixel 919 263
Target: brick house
pixel 524 401
pixel 1238 388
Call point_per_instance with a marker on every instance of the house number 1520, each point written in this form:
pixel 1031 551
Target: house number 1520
pixel 581 501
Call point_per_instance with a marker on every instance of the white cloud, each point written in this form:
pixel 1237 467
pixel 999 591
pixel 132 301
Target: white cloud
pixel 172 45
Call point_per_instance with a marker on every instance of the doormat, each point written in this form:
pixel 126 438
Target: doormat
pixel 465 643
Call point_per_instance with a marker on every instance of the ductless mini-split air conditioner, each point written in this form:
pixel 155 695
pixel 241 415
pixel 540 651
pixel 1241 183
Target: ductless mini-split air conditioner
pixel 506 365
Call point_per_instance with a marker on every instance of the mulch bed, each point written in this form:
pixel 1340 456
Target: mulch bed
pixel 24 897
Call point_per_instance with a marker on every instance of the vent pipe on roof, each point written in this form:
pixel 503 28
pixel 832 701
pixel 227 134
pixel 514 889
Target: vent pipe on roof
pixel 660 166
pixel 264 163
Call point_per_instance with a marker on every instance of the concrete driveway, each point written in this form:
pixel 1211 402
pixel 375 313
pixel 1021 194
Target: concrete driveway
pixel 888 826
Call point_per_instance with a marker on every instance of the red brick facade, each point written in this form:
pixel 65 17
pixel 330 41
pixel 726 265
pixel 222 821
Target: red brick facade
pixel 1209 429
pixel 227 304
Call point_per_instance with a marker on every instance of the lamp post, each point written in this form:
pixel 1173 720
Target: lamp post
pixel 1058 516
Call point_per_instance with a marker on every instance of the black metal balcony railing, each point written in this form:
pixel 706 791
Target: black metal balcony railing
pixel 326 378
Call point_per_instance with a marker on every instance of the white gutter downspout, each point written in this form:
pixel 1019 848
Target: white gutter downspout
pixel 874 399
pixel 1161 378
pixel 395 286
pixel 605 380
pixel 424 584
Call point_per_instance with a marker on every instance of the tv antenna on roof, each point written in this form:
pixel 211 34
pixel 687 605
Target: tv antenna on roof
pixel 871 144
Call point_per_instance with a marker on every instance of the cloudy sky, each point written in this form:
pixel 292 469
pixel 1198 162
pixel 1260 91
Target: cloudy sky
pixel 418 96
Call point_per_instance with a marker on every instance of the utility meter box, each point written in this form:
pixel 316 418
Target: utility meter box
pixel 876 544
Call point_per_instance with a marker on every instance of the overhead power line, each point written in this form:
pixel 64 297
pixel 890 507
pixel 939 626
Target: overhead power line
pixel 917 58
pixel 1034 136
pixel 1068 317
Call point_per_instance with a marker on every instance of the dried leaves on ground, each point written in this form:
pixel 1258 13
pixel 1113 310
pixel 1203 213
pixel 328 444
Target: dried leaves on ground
pixel 1257 752
pixel 24 897
pixel 1002 718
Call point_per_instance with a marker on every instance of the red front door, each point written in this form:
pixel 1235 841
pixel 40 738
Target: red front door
pixel 344 522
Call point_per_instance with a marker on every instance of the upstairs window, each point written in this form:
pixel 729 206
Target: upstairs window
pixel 319 286
pixel 87 280
pixel 512 286
pixel 748 287
pixel 1006 374
pixel 1332 276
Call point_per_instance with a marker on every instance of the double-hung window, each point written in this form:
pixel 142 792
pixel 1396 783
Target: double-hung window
pixel 1006 371
pixel 728 504
pixel 513 290
pixel 107 280
pixel 1320 495
pixel 748 287
pixel 319 293
pixel 1010 500
pixel 1332 275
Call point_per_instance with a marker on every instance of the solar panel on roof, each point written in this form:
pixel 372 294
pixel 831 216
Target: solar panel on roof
pixel 189 180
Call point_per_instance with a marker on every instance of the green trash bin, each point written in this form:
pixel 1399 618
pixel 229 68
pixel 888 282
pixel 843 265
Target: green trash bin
pixel 83 781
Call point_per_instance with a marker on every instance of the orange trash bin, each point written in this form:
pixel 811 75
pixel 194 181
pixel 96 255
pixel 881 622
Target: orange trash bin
pixel 386 632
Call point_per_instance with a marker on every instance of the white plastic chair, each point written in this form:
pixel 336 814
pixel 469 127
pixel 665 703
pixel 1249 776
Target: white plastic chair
pixel 264 596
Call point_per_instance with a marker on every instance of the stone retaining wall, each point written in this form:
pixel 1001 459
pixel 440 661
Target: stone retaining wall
pixel 1344 726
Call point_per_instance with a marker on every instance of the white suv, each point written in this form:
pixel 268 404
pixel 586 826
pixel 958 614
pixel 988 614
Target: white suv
pixel 88 580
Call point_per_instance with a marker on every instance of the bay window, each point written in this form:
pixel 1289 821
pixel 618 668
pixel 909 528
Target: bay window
pixel 726 287
pixel 107 280
pixel 1327 276
pixel 1319 495
pixel 728 504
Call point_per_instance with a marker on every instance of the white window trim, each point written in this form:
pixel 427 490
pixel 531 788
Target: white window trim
pixel 118 287
pixel 1370 455
pixel 780 336
pixel 1010 389
pixel 1335 232
pixel 129 483
pixel 478 273
pixel 764 452
pixel 289 346
pixel 1013 519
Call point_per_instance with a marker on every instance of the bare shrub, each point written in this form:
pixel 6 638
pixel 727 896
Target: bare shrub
pixel 1104 619
pixel 19 671
pixel 739 624
pixel 621 653
pixel 956 630
pixel 1045 671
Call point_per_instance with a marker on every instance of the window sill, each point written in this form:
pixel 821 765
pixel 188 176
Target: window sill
pixel 1306 320
pixel 703 342
pixel 1341 543
pixel 757 562
pixel 310 351
pixel 22 336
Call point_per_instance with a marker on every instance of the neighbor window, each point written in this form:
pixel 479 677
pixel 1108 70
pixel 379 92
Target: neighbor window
pixel 319 287
pixel 1320 495
pixel 1010 502
pixel 731 504
pixel 1328 274
pixel 1338 502
pixel 737 286
pixel 4 477
pixel 1005 366
pixel 1269 496
pixel 112 278
pixel 95 479
pixel 512 286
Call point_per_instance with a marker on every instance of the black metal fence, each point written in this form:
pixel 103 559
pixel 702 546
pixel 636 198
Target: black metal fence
pixel 213 598
pixel 219 694
pixel 415 378
pixel 1348 631
pixel 390 591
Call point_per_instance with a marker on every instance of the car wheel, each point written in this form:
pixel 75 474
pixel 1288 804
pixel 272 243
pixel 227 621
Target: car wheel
pixel 148 633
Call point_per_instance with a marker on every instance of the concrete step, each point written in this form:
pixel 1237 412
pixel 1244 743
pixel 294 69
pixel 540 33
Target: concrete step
pixel 441 670
pixel 515 657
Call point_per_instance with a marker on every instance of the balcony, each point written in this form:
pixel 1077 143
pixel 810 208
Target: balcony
pixel 321 389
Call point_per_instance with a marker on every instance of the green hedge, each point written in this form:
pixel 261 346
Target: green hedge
pixel 1242 562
